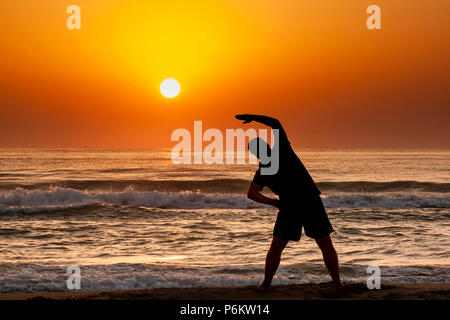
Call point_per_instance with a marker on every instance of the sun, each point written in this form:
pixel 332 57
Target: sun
pixel 170 88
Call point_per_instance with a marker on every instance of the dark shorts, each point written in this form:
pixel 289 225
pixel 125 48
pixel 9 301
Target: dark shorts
pixel 310 214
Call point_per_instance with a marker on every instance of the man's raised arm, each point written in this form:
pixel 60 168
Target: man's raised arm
pixel 268 121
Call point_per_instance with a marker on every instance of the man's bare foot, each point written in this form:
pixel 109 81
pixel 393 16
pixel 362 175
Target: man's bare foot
pixel 336 285
pixel 262 287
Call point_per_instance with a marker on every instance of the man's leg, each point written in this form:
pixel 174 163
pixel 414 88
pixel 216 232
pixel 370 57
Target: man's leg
pixel 330 258
pixel 272 261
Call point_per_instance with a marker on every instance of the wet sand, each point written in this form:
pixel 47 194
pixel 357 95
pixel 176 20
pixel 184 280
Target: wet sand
pixel 281 292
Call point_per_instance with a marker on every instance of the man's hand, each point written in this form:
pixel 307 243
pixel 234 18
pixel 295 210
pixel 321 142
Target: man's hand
pixel 276 203
pixel 245 117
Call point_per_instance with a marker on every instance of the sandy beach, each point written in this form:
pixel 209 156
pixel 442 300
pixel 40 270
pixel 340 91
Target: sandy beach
pixel 281 292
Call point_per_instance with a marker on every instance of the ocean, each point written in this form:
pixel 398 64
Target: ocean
pixel 132 219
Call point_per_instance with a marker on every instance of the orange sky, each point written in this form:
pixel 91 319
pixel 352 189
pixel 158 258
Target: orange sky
pixel 313 64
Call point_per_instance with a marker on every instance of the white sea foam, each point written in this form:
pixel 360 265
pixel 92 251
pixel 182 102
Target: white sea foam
pixel 392 201
pixel 33 278
pixel 60 198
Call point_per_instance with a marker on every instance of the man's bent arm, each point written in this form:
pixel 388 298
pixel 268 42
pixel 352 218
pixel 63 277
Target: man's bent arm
pixel 254 194
pixel 268 121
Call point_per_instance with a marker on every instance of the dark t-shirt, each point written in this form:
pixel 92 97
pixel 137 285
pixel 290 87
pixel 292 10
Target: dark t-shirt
pixel 292 182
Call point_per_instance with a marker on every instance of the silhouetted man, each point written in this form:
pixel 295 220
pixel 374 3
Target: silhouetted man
pixel 299 201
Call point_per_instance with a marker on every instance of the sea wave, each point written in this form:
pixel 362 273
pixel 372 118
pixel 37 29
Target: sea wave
pixel 53 198
pixel 235 186
pixel 126 276
pixel 62 198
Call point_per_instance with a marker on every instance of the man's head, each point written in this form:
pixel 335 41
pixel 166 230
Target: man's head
pixel 260 149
